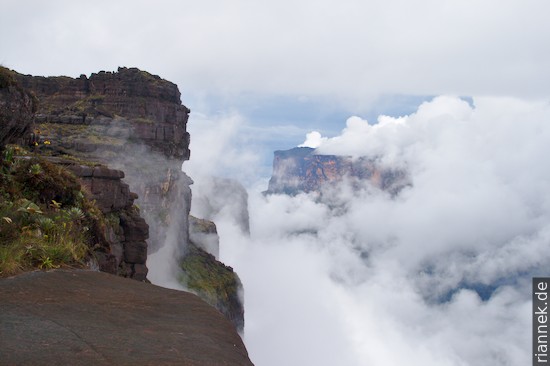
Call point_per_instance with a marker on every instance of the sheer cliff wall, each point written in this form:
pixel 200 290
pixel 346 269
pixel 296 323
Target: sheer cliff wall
pixel 135 123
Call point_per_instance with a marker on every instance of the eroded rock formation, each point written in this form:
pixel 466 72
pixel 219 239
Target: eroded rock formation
pixel 301 170
pixel 214 282
pixel 129 104
pixel 135 123
pixel 126 232
pixel 17 107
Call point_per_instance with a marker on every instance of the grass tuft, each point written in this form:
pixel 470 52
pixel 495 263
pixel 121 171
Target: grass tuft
pixel 45 220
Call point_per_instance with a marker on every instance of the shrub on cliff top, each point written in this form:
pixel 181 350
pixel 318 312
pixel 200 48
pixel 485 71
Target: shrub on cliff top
pixel 39 180
pixel 44 217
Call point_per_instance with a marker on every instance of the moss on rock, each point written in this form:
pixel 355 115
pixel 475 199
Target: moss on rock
pixel 214 282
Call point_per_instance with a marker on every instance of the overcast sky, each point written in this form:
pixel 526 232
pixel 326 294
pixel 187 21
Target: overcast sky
pixel 352 51
pixel 288 67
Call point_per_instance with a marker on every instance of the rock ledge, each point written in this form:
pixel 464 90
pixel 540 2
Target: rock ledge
pixel 80 317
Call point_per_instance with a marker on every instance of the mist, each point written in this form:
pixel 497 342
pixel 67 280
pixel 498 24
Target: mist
pixel 438 274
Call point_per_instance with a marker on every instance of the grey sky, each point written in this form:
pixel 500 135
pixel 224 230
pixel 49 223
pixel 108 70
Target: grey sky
pixel 349 50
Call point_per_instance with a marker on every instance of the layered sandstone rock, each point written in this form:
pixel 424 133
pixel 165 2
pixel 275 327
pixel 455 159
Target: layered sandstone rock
pixel 133 103
pixel 125 234
pixel 135 123
pixel 301 170
pixel 131 121
pixel 17 108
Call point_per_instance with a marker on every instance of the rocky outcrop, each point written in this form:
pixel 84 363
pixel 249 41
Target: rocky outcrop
pixel 17 108
pixel 129 104
pixel 214 282
pixel 123 238
pixel 203 234
pixel 301 170
pixel 209 278
pixel 93 318
pixel 130 121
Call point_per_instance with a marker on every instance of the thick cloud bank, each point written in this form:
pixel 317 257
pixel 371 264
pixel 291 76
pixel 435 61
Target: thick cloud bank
pixel 438 275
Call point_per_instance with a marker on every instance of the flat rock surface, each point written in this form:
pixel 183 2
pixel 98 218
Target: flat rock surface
pixel 79 317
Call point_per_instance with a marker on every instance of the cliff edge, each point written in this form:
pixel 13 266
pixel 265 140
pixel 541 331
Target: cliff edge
pixel 123 134
pixel 302 170
pixel 92 318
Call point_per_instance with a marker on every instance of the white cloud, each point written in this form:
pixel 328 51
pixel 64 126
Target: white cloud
pixel 313 140
pixel 392 280
pixel 225 147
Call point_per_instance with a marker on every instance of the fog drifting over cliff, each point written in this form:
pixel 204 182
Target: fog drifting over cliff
pixel 438 275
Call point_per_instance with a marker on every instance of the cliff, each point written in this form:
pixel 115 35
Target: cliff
pixel 17 107
pixel 214 282
pixel 120 132
pixel 129 104
pixel 301 170
pixel 91 318
pixel 122 246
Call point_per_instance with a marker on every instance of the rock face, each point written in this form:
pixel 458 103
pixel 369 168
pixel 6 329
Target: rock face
pixel 17 108
pixel 129 120
pixel 93 318
pixel 301 170
pixel 215 283
pixel 204 274
pixel 123 237
pixel 132 103
pixel 134 122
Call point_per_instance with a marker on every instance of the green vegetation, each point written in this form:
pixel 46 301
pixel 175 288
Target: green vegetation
pixel 210 279
pixel 64 137
pixel 45 220
pixel 88 103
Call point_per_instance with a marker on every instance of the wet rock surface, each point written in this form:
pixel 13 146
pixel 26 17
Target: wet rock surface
pixel 91 318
